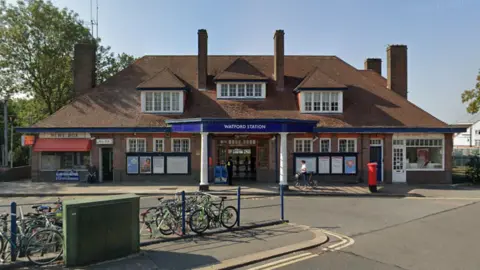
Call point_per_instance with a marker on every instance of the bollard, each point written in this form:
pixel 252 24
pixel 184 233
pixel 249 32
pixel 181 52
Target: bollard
pixel 281 204
pixel 13 230
pixel 183 212
pixel 238 206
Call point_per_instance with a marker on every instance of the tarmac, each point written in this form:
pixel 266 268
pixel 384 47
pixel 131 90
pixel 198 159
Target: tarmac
pixel 29 188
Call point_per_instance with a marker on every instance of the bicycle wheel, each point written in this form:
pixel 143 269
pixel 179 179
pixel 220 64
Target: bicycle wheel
pixel 148 221
pixel 44 247
pixel 199 221
pixel 162 223
pixel 229 217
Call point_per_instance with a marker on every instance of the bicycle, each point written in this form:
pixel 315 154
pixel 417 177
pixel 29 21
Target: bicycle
pixel 212 215
pixel 31 243
pixel 310 181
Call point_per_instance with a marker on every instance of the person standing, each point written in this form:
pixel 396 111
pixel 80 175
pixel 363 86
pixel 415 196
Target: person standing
pixel 303 171
pixel 229 171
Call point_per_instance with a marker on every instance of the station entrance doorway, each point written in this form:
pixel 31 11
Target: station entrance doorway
pixel 249 153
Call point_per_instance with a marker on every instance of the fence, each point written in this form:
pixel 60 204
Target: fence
pixel 252 211
pixel 459 165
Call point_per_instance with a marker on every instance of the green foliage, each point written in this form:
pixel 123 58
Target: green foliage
pixel 473 169
pixel 472 97
pixel 36 52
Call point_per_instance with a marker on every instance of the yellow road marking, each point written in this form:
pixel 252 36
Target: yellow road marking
pixel 264 266
pixel 292 262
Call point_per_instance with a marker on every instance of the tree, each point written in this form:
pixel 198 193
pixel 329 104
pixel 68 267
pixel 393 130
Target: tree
pixel 472 97
pixel 36 52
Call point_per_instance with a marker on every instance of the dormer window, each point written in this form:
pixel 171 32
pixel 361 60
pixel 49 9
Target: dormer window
pixel 162 101
pixel 321 101
pixel 241 90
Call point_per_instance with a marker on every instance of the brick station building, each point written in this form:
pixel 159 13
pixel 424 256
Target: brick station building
pixel 175 118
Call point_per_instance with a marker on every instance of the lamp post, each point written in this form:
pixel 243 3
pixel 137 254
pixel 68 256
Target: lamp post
pixel 12 119
pixel 5 132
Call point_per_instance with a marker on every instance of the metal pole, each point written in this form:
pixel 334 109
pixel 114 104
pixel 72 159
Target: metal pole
pixel 238 206
pixel 11 146
pixel 282 215
pixel 183 212
pixel 13 230
pixel 5 132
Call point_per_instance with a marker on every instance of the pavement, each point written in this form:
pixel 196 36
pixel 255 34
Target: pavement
pixel 28 188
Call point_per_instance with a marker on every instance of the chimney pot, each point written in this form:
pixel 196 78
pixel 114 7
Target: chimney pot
pixel 202 65
pixel 374 64
pixel 279 59
pixel 84 73
pixel 397 77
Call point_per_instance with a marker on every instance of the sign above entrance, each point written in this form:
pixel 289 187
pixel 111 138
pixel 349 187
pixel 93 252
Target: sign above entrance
pixel 242 125
pixel 104 141
pixel 65 135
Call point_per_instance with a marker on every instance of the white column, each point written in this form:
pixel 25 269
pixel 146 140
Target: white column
pixel 283 160
pixel 204 161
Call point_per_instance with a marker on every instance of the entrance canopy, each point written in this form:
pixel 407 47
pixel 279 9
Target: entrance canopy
pixel 62 145
pixel 241 125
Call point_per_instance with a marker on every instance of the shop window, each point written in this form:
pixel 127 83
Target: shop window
pixel 136 145
pixel 303 145
pixel 424 154
pixel 347 145
pixel 158 145
pixel 325 145
pixel 181 145
pixel 52 161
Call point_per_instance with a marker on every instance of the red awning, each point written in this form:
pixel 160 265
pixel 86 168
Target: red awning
pixel 62 145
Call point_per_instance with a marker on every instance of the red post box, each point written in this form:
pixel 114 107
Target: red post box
pixel 372 176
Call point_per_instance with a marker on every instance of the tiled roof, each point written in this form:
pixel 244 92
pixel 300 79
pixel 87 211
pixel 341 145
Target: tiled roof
pixel 316 79
pixel 375 77
pixel 163 79
pixel 116 103
pixel 240 70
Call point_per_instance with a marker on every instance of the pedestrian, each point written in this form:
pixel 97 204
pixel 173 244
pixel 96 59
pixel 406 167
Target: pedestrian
pixel 229 171
pixel 303 172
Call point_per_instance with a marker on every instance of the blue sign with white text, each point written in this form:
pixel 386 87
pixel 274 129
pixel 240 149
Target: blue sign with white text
pixel 67 175
pixel 239 127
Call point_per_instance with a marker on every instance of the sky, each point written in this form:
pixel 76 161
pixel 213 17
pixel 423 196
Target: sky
pixel 442 35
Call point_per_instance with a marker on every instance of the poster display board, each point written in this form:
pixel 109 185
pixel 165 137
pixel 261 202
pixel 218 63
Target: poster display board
pixel 324 165
pixel 159 165
pixel 177 165
pixel 132 165
pixel 146 165
pixel 311 163
pixel 350 165
pixel 337 165
pixel 220 173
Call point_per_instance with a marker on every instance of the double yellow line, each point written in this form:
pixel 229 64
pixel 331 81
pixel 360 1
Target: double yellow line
pixel 284 262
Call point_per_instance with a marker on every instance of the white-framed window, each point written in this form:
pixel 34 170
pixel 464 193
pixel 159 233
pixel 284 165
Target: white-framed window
pixel 325 145
pixel 477 142
pixel 247 90
pixel 158 145
pixel 162 101
pixel 321 101
pixel 181 145
pixel 136 145
pixel 303 145
pixel 347 145
pixel 425 153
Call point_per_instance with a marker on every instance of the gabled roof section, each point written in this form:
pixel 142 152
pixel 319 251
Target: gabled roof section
pixel 317 80
pixel 163 80
pixel 241 70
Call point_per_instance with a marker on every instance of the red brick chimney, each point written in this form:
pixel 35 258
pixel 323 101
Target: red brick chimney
pixel 374 64
pixel 202 66
pixel 279 59
pixel 397 69
pixel 84 75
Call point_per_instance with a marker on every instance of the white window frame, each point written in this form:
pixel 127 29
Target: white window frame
pixel 127 141
pixel 405 136
pixel 173 143
pixel 313 93
pixel 303 145
pixel 154 145
pixel 144 101
pixel 329 145
pixel 347 139
pixel 245 96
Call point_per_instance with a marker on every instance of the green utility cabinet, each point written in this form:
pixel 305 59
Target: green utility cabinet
pixel 100 229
